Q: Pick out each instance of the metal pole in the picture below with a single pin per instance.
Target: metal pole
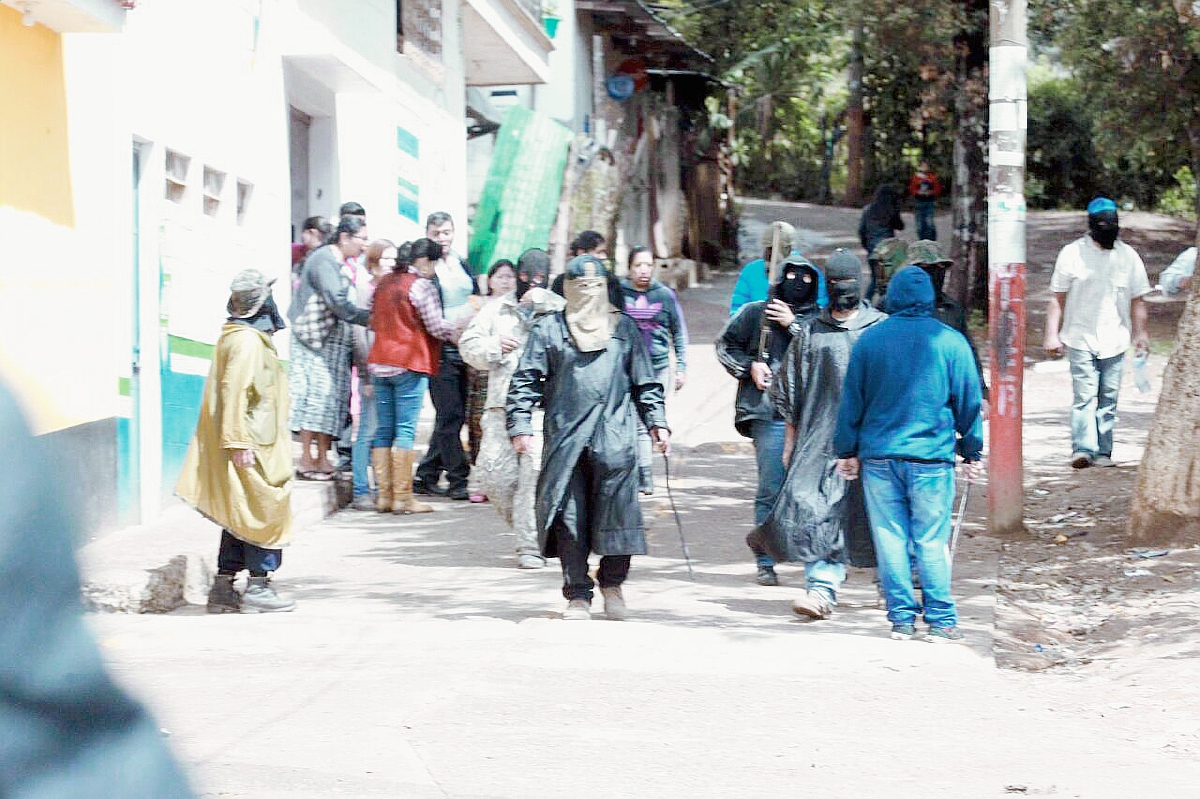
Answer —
(1006, 260)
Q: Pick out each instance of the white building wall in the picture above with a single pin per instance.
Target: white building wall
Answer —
(213, 80)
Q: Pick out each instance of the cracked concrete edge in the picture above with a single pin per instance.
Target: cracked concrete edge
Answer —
(158, 567)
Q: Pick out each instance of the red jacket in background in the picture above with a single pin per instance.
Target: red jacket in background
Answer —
(925, 186)
(400, 335)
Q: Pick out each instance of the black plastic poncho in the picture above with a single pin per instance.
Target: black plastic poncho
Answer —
(591, 399)
(818, 515)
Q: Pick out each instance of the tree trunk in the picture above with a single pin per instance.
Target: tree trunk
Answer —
(968, 282)
(1166, 503)
(855, 133)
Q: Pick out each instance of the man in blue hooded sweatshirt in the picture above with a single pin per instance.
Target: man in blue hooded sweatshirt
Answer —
(911, 400)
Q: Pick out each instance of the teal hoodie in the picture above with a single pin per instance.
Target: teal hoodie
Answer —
(912, 390)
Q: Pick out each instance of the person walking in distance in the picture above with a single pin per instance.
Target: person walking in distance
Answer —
(238, 468)
(924, 187)
(819, 519)
(655, 309)
(740, 349)
(909, 404)
(1094, 312)
(495, 341)
(590, 368)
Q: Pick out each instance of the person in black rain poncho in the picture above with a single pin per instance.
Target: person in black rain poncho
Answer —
(589, 366)
(818, 515)
(739, 349)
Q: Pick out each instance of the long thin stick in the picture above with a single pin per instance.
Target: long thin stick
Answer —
(962, 507)
(678, 524)
(764, 332)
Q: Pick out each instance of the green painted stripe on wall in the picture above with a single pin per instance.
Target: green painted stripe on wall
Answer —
(185, 346)
(124, 386)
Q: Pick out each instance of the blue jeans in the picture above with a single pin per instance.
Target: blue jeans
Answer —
(825, 577)
(397, 406)
(360, 454)
(911, 502)
(768, 451)
(236, 554)
(1096, 383)
(926, 229)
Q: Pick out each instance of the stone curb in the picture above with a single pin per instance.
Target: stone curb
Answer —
(113, 567)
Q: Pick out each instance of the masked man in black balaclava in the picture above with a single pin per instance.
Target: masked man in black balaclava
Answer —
(751, 348)
(588, 363)
(238, 470)
(819, 519)
(493, 342)
(1095, 310)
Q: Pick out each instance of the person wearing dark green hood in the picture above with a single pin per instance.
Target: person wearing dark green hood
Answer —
(910, 403)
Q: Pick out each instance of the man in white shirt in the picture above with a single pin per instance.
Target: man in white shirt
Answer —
(1095, 310)
(1178, 276)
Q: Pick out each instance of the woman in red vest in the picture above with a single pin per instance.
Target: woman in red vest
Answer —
(408, 322)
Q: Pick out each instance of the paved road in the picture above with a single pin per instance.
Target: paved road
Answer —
(421, 663)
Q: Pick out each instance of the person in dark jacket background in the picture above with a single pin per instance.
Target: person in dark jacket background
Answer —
(880, 220)
(589, 366)
(910, 402)
(737, 347)
(819, 519)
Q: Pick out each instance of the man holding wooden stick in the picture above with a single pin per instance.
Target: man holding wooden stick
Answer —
(751, 348)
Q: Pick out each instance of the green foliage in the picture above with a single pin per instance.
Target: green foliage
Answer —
(1063, 169)
(1180, 200)
(788, 61)
(1135, 66)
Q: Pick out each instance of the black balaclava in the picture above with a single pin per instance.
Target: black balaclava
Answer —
(1102, 222)
(843, 273)
(937, 276)
(267, 320)
(797, 284)
(533, 269)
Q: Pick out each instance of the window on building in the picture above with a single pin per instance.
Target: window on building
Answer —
(176, 173)
(244, 190)
(419, 24)
(214, 186)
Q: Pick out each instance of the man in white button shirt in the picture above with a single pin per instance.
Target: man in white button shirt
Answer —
(1095, 310)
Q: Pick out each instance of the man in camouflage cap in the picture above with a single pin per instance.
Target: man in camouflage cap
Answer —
(928, 255)
(888, 257)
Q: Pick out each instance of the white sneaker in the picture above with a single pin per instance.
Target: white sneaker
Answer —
(578, 610)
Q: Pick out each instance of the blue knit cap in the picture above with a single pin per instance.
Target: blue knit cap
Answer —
(1100, 205)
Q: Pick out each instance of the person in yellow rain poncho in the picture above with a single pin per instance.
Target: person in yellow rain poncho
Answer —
(238, 469)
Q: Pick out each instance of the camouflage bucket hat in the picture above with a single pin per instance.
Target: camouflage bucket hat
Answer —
(927, 253)
(891, 254)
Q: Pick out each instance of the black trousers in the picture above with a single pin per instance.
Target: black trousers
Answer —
(235, 555)
(448, 390)
(571, 537)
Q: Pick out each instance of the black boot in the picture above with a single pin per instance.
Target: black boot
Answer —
(260, 597)
(222, 598)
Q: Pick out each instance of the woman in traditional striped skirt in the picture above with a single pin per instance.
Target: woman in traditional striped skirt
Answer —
(319, 373)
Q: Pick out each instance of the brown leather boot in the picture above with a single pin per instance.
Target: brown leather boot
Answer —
(381, 462)
(402, 484)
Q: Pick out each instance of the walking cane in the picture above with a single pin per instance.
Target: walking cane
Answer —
(678, 523)
(962, 508)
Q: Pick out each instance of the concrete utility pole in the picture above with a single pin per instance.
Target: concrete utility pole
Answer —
(1006, 260)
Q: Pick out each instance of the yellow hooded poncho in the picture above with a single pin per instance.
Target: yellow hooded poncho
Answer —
(245, 407)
